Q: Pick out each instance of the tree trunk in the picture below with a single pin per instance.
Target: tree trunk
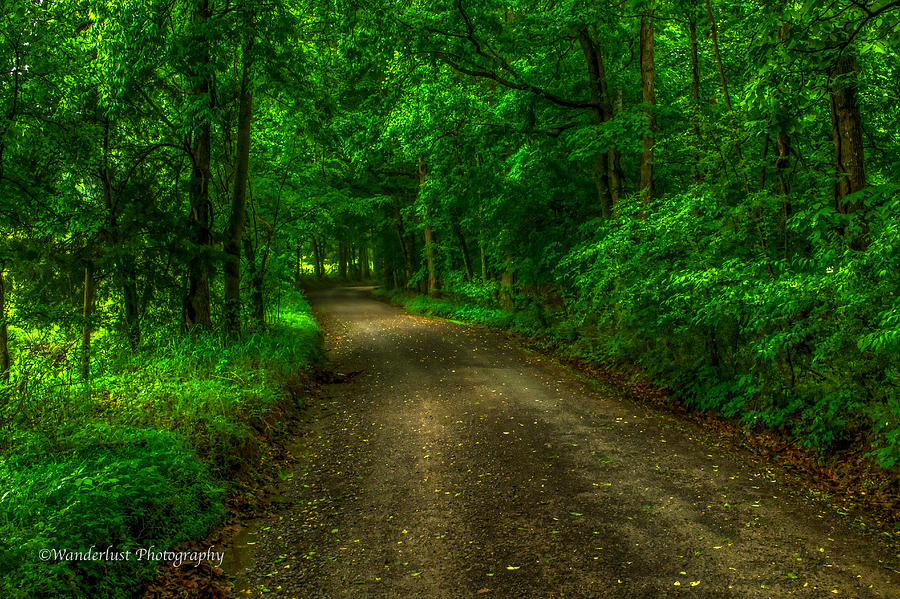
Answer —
(847, 132)
(714, 31)
(433, 286)
(648, 93)
(464, 249)
(87, 308)
(232, 248)
(130, 296)
(389, 275)
(198, 312)
(342, 260)
(607, 178)
(763, 171)
(5, 363)
(506, 284)
(318, 270)
(695, 97)
(364, 272)
(484, 273)
(783, 147)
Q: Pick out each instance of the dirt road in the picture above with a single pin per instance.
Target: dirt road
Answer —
(456, 465)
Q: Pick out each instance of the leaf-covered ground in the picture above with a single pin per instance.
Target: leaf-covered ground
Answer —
(446, 463)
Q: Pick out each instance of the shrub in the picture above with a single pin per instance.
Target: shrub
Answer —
(103, 486)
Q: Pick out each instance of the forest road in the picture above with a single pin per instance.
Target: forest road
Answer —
(454, 464)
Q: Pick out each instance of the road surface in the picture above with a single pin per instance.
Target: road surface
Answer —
(450, 463)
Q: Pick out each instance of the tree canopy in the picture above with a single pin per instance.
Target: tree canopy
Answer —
(707, 190)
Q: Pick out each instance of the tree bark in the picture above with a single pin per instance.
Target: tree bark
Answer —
(484, 273)
(365, 272)
(317, 264)
(763, 171)
(5, 363)
(342, 260)
(507, 279)
(847, 132)
(130, 296)
(433, 285)
(648, 93)
(198, 312)
(695, 97)
(784, 149)
(464, 249)
(714, 32)
(607, 175)
(232, 248)
(87, 308)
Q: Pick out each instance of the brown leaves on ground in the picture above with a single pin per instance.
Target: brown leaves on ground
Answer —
(189, 582)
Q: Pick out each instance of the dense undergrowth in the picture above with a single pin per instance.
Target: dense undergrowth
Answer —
(141, 458)
(796, 333)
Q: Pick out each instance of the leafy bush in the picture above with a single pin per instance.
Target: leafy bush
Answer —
(105, 486)
(796, 331)
(140, 457)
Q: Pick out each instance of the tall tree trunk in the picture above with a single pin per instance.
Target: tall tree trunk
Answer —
(484, 273)
(714, 32)
(387, 271)
(113, 236)
(507, 279)
(342, 260)
(648, 93)
(607, 178)
(389, 275)
(130, 296)
(764, 169)
(198, 311)
(317, 263)
(87, 310)
(232, 248)
(433, 285)
(364, 271)
(695, 97)
(783, 148)
(406, 246)
(847, 132)
(5, 363)
(464, 249)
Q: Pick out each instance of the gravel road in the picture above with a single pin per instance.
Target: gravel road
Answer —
(450, 463)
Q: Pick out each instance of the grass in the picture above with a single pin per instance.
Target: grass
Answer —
(144, 456)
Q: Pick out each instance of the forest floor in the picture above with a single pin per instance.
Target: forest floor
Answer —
(444, 461)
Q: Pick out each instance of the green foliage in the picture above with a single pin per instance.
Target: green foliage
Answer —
(800, 344)
(143, 457)
(452, 310)
(100, 486)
